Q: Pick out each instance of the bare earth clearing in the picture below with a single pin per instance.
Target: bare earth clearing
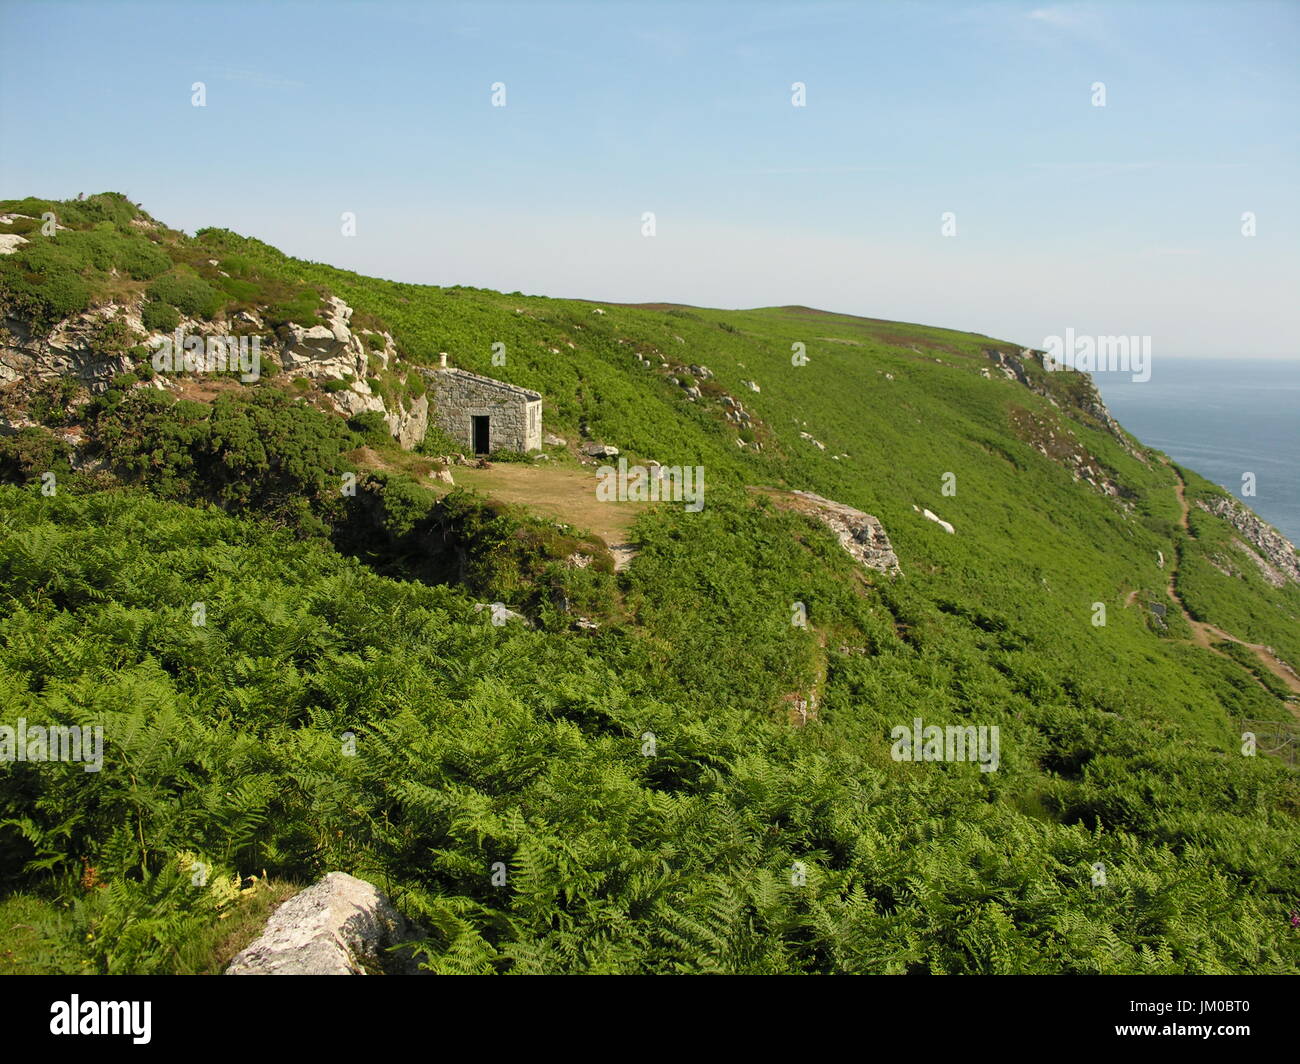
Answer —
(561, 492)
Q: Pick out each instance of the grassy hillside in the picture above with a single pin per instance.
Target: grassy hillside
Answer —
(656, 805)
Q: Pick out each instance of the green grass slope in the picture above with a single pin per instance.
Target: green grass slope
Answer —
(644, 786)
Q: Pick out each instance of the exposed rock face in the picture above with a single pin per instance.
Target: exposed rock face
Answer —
(71, 349)
(1278, 551)
(328, 349)
(333, 350)
(75, 349)
(1051, 436)
(11, 242)
(599, 450)
(1012, 368)
(1087, 400)
(735, 411)
(1270, 575)
(357, 399)
(339, 926)
(859, 533)
(409, 426)
(1094, 407)
(800, 707)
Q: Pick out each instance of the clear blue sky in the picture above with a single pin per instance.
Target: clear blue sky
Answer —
(1116, 220)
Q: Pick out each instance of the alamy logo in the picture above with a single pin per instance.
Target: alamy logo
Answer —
(1099, 354)
(655, 483)
(102, 1017)
(53, 742)
(953, 743)
(209, 354)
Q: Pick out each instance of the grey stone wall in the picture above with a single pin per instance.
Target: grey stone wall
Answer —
(515, 414)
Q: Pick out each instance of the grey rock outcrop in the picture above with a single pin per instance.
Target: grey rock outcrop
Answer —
(339, 926)
(77, 348)
(1278, 551)
(1012, 368)
(357, 398)
(408, 425)
(1086, 399)
(71, 349)
(862, 535)
(11, 242)
(328, 349)
(332, 350)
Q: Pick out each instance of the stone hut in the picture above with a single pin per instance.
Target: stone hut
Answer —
(483, 414)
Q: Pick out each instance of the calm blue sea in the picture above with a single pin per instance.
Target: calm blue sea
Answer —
(1222, 417)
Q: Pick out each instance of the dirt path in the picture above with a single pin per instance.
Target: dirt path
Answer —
(1180, 489)
(1205, 635)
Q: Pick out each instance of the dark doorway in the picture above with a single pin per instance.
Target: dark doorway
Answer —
(481, 440)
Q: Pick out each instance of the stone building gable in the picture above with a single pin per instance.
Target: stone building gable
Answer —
(463, 399)
(486, 384)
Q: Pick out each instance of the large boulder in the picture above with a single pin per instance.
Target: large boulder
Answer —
(861, 534)
(339, 926)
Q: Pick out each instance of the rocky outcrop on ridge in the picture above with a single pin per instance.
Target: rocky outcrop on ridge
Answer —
(93, 347)
(1275, 549)
(1084, 398)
